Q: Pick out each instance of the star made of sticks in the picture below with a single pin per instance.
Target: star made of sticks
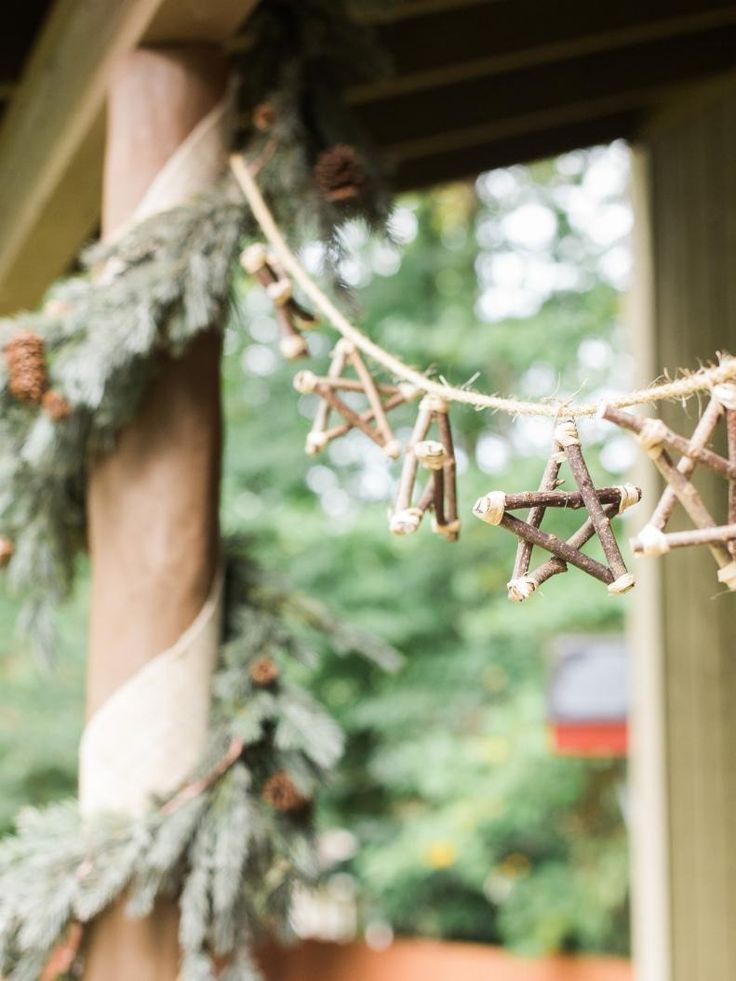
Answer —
(602, 505)
(437, 456)
(291, 316)
(659, 442)
(373, 421)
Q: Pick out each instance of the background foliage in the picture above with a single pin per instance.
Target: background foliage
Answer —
(455, 819)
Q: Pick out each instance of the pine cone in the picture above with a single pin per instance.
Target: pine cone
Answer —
(264, 672)
(281, 793)
(264, 116)
(339, 173)
(27, 379)
(55, 405)
(6, 551)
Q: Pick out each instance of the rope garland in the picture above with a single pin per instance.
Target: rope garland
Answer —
(705, 379)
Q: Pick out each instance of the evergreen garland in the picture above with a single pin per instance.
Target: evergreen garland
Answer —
(151, 293)
(225, 844)
(163, 284)
(234, 842)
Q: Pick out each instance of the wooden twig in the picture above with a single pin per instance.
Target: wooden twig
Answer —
(548, 482)
(336, 431)
(696, 450)
(562, 549)
(438, 499)
(408, 476)
(256, 261)
(696, 536)
(686, 466)
(654, 436)
(305, 319)
(381, 399)
(62, 957)
(731, 438)
(571, 500)
(292, 345)
(521, 587)
(306, 382)
(438, 456)
(197, 787)
(566, 435)
(450, 527)
(692, 502)
(389, 443)
(317, 439)
(426, 498)
(432, 455)
(354, 418)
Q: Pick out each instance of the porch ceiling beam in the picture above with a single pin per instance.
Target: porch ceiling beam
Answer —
(403, 124)
(441, 41)
(52, 137)
(441, 164)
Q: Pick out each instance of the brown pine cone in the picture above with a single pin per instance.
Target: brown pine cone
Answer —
(6, 551)
(264, 116)
(339, 173)
(264, 672)
(281, 793)
(27, 379)
(55, 405)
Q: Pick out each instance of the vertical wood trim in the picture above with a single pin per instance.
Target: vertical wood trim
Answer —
(692, 200)
(649, 815)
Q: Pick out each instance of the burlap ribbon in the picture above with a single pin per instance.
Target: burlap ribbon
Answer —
(146, 738)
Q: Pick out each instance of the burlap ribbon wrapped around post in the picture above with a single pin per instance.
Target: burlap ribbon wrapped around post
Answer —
(147, 737)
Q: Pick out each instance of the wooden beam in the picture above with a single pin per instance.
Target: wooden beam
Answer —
(50, 146)
(54, 109)
(398, 121)
(433, 43)
(198, 20)
(70, 217)
(19, 30)
(412, 173)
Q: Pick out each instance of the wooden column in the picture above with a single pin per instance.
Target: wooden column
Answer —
(153, 502)
(685, 727)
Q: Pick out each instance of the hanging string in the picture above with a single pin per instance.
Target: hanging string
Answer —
(679, 389)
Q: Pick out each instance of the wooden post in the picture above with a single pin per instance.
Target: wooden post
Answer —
(153, 502)
(684, 653)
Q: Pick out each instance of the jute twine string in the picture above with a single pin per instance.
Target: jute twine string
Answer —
(691, 383)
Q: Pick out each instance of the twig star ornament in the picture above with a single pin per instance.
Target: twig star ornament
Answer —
(659, 441)
(373, 421)
(438, 458)
(292, 317)
(602, 505)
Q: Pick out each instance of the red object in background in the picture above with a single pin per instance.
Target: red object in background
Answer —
(589, 738)
(588, 696)
(431, 960)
